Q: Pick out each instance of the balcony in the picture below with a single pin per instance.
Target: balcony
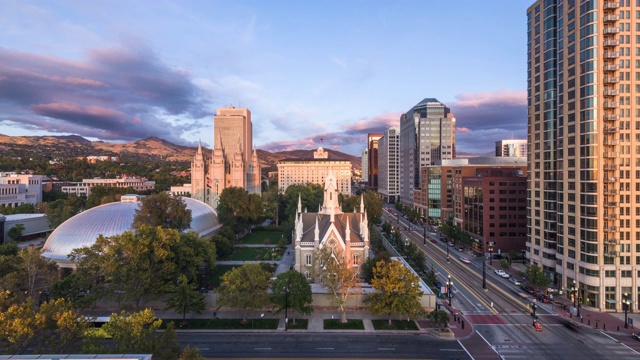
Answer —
(611, 242)
(610, 117)
(611, 216)
(611, 30)
(611, 54)
(611, 254)
(611, 79)
(611, 42)
(611, 204)
(611, 229)
(610, 142)
(610, 92)
(611, 5)
(610, 129)
(610, 154)
(611, 18)
(611, 104)
(611, 192)
(610, 179)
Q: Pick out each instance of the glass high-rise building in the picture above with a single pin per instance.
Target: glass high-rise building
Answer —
(583, 72)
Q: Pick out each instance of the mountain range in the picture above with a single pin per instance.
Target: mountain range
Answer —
(62, 147)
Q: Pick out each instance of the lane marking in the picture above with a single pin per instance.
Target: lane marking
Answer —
(324, 348)
(261, 348)
(465, 349)
(390, 349)
(491, 346)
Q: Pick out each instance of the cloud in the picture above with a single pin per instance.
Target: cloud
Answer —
(120, 92)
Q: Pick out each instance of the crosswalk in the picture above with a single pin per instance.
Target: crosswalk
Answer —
(520, 341)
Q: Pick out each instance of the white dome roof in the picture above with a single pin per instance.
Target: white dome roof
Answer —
(114, 219)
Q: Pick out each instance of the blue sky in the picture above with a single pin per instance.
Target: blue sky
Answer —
(125, 70)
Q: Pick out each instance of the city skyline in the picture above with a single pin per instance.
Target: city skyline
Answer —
(307, 70)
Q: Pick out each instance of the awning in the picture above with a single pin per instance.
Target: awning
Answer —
(612, 301)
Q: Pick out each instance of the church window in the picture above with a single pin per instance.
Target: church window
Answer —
(308, 259)
(356, 260)
(307, 275)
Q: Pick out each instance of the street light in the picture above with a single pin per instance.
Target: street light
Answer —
(576, 305)
(448, 252)
(625, 305)
(490, 255)
(533, 314)
(449, 287)
(484, 273)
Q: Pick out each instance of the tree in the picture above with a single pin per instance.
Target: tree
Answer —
(136, 267)
(245, 288)
(373, 206)
(138, 333)
(397, 291)
(504, 263)
(186, 298)
(191, 252)
(163, 210)
(366, 269)
(535, 276)
(290, 290)
(36, 272)
(237, 208)
(16, 232)
(60, 210)
(439, 318)
(431, 276)
(190, 353)
(337, 273)
(419, 260)
(223, 245)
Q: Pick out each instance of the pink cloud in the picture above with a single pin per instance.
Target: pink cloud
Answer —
(72, 108)
(462, 130)
(502, 97)
(386, 120)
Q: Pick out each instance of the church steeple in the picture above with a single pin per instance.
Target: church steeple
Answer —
(330, 202)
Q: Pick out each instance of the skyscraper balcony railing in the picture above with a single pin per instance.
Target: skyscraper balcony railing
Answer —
(611, 54)
(611, 254)
(611, 5)
(610, 216)
(611, 18)
(610, 92)
(611, 204)
(610, 229)
(610, 129)
(610, 117)
(611, 242)
(610, 179)
(610, 154)
(611, 42)
(611, 79)
(610, 142)
(611, 30)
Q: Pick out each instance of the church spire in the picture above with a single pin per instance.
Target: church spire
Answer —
(361, 202)
(299, 203)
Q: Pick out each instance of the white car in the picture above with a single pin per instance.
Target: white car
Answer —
(465, 260)
(502, 273)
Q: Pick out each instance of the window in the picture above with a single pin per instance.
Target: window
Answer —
(356, 260)
(308, 259)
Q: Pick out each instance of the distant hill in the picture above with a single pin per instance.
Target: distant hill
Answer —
(72, 146)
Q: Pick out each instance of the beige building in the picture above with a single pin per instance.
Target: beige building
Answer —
(233, 160)
(511, 148)
(330, 227)
(388, 165)
(584, 149)
(84, 188)
(315, 171)
(18, 189)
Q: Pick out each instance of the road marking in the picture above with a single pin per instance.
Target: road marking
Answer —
(261, 348)
(451, 349)
(324, 348)
(391, 349)
(488, 343)
(203, 348)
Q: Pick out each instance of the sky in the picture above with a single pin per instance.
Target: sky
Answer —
(312, 73)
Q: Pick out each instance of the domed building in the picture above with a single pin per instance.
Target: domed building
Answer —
(114, 219)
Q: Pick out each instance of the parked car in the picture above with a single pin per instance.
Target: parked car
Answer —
(434, 240)
(502, 273)
(636, 336)
(461, 249)
(465, 260)
(542, 297)
(515, 281)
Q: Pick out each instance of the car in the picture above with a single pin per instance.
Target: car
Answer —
(461, 249)
(636, 336)
(515, 281)
(502, 273)
(434, 241)
(465, 260)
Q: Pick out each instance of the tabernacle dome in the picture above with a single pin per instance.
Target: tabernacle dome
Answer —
(114, 219)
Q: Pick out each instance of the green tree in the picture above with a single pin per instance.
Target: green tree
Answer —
(16, 232)
(138, 333)
(504, 263)
(373, 206)
(338, 275)
(535, 276)
(36, 273)
(223, 245)
(431, 276)
(290, 290)
(192, 252)
(419, 260)
(190, 353)
(60, 210)
(163, 210)
(274, 201)
(137, 267)
(244, 288)
(439, 318)
(366, 269)
(237, 208)
(186, 298)
(397, 291)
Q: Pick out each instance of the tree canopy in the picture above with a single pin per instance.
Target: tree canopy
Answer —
(186, 298)
(237, 208)
(397, 291)
(244, 288)
(163, 210)
(291, 290)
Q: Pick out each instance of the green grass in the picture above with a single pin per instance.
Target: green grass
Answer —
(254, 254)
(395, 325)
(216, 274)
(262, 238)
(301, 324)
(224, 324)
(335, 324)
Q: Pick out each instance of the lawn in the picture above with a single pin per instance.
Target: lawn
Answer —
(262, 238)
(254, 254)
(335, 324)
(224, 324)
(216, 274)
(395, 325)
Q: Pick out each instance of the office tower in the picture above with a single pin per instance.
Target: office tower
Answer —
(233, 160)
(372, 164)
(511, 148)
(427, 134)
(364, 178)
(583, 136)
(388, 165)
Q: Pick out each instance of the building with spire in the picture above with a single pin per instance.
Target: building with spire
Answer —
(330, 227)
(233, 161)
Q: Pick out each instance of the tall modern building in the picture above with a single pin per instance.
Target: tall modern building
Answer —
(511, 148)
(427, 134)
(365, 166)
(388, 165)
(584, 144)
(372, 164)
(233, 161)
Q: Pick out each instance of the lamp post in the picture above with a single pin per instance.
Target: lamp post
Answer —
(533, 314)
(424, 235)
(484, 273)
(286, 306)
(625, 305)
(574, 291)
(448, 252)
(449, 287)
(524, 256)
(490, 255)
